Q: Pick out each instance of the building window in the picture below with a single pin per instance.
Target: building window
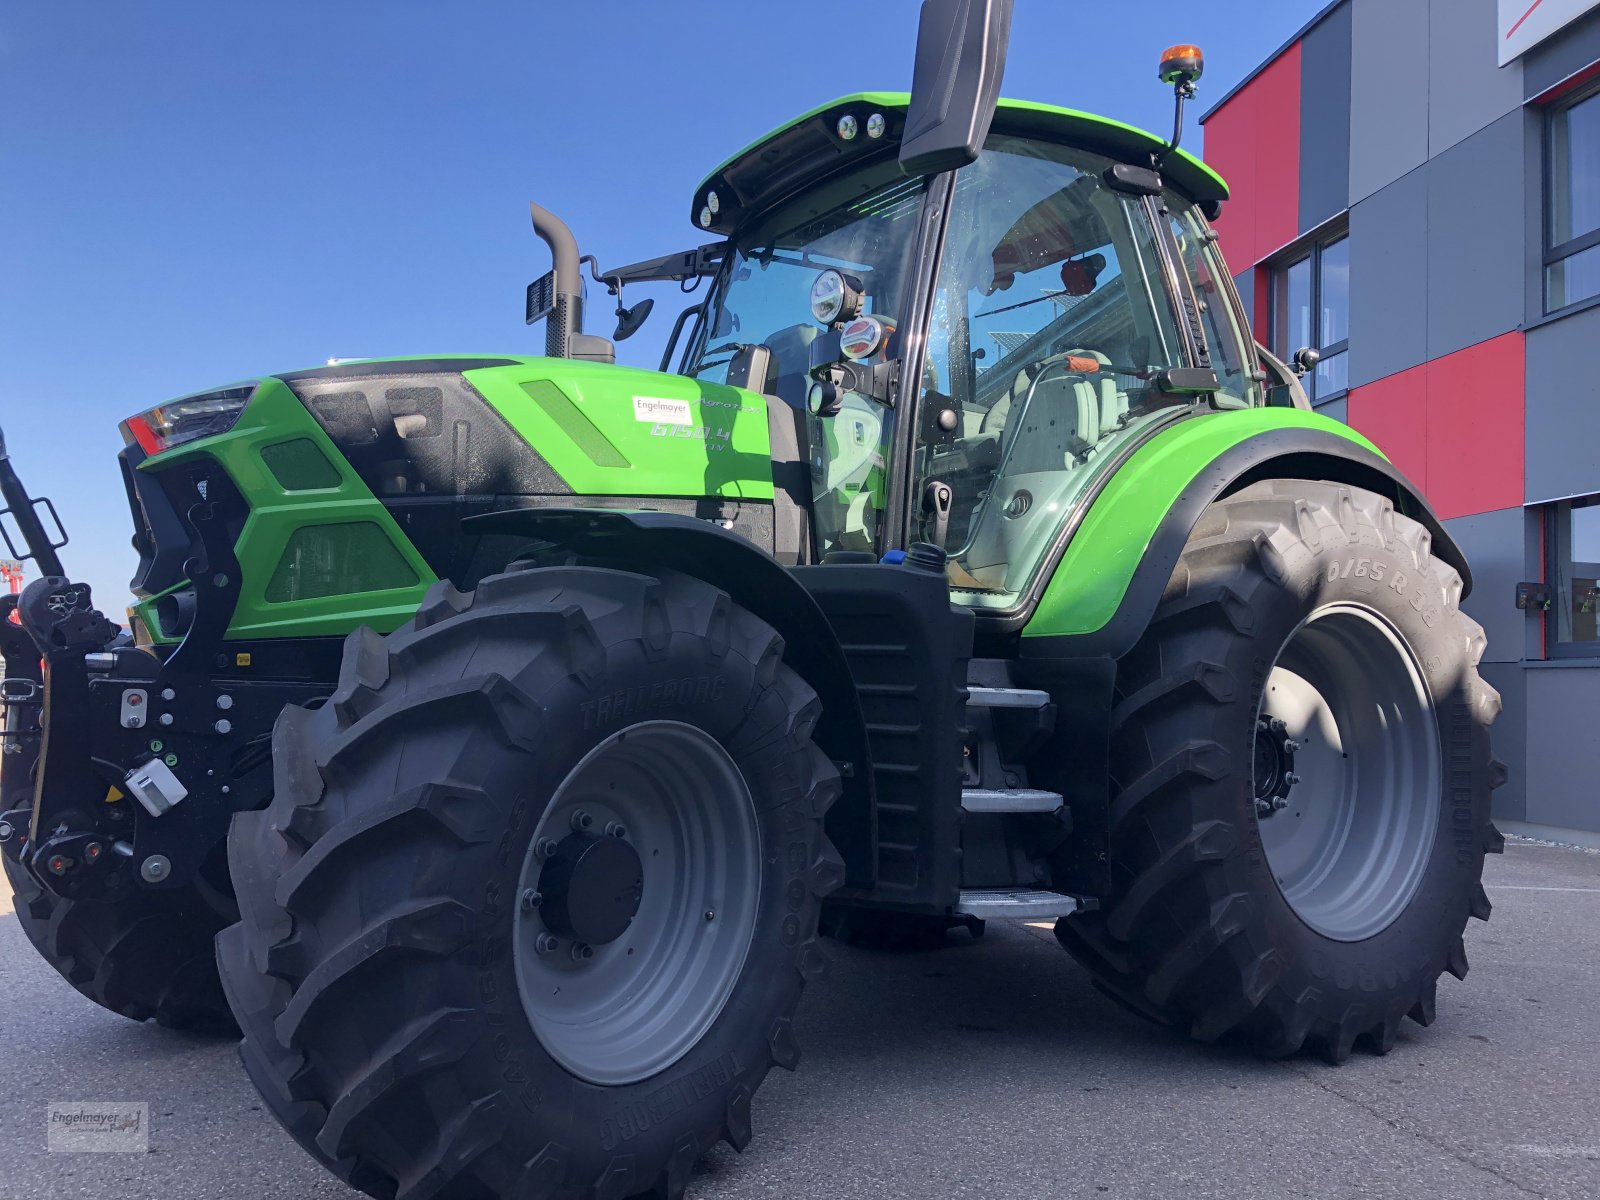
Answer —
(1311, 308)
(1573, 547)
(1572, 219)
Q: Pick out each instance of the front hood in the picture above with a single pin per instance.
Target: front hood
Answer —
(617, 431)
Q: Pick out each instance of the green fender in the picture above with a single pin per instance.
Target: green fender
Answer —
(1110, 577)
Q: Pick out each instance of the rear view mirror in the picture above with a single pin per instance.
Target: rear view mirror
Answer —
(629, 319)
(955, 84)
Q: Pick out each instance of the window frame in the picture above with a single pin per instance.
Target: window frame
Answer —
(1553, 254)
(1311, 249)
(1554, 647)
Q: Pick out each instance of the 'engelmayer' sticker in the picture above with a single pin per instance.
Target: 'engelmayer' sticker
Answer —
(664, 412)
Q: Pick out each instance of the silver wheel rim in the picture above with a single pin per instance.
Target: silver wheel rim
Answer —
(1349, 841)
(636, 1004)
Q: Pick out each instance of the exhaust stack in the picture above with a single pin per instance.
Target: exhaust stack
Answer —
(558, 296)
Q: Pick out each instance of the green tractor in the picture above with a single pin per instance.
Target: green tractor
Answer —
(515, 726)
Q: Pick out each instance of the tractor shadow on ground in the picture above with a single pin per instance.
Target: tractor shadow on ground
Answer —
(1015, 989)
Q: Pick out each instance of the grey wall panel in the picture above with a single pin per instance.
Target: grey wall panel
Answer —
(1563, 752)
(1562, 56)
(1245, 281)
(1562, 423)
(1389, 280)
(1475, 245)
(1337, 409)
(1493, 544)
(1533, 200)
(1325, 120)
(1467, 90)
(1510, 737)
(1388, 92)
(1533, 568)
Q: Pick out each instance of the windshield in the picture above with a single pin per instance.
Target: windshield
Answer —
(1051, 324)
(866, 226)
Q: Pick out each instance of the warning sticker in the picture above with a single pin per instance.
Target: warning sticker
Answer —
(661, 411)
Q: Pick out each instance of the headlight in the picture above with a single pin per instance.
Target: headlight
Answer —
(835, 297)
(862, 338)
(173, 424)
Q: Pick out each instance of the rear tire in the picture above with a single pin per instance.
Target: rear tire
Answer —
(1248, 902)
(146, 956)
(399, 1015)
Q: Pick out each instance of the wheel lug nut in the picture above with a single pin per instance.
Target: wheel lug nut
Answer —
(531, 900)
(1291, 779)
(616, 829)
(581, 821)
(582, 952)
(1277, 725)
(1279, 803)
(546, 944)
(1290, 745)
(545, 847)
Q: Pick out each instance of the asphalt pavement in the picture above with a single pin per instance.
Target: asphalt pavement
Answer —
(988, 1069)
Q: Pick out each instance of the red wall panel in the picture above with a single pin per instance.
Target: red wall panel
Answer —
(1475, 427)
(1230, 148)
(1254, 141)
(1393, 412)
(1454, 425)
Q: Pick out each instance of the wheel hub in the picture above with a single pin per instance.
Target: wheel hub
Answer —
(620, 969)
(591, 888)
(1274, 765)
(1347, 698)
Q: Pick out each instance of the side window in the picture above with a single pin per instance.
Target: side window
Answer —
(1572, 221)
(1230, 347)
(1311, 308)
(1574, 553)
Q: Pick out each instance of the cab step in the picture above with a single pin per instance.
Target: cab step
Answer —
(1007, 904)
(1010, 800)
(1004, 697)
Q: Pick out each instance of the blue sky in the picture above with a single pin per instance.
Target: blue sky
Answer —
(194, 192)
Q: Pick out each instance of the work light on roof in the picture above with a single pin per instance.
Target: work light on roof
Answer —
(713, 202)
(847, 127)
(705, 217)
(876, 126)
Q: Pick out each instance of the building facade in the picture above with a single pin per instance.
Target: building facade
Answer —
(1417, 196)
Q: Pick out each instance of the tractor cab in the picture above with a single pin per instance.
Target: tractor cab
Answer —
(968, 350)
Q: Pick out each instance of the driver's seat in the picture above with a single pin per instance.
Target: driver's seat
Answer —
(1055, 429)
(1064, 421)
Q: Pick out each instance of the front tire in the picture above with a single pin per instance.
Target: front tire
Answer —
(537, 892)
(1301, 780)
(146, 956)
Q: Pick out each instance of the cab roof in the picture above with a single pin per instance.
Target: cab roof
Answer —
(809, 144)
